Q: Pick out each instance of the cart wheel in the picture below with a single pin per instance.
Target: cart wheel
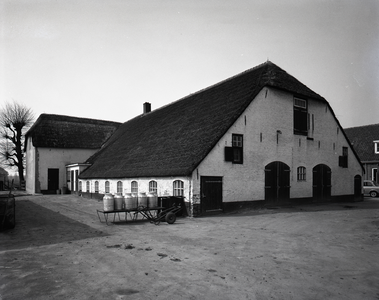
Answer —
(170, 218)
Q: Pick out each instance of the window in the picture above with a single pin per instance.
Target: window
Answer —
(134, 187)
(301, 174)
(178, 188)
(374, 174)
(300, 116)
(87, 186)
(376, 147)
(153, 186)
(235, 153)
(96, 186)
(107, 187)
(119, 187)
(344, 158)
(80, 185)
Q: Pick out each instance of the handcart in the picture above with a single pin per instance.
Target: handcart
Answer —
(167, 214)
(7, 210)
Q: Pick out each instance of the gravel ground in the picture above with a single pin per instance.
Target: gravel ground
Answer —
(60, 250)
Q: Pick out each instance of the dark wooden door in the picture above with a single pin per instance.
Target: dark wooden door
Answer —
(52, 179)
(357, 186)
(322, 183)
(277, 182)
(211, 193)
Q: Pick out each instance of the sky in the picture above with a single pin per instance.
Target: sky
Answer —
(102, 59)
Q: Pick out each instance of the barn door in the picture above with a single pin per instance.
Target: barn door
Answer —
(52, 179)
(277, 182)
(322, 183)
(211, 193)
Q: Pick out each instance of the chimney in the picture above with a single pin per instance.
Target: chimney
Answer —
(146, 107)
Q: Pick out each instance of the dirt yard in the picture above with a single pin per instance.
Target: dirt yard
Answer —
(60, 250)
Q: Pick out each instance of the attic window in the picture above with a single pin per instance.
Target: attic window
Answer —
(376, 147)
(343, 160)
(300, 116)
(235, 153)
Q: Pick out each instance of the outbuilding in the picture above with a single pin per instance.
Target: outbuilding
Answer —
(365, 140)
(55, 141)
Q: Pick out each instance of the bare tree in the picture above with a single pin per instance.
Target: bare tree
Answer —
(15, 119)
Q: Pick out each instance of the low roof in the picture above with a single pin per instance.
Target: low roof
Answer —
(57, 131)
(173, 140)
(3, 171)
(362, 138)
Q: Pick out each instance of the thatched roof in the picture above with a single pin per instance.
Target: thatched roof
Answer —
(362, 138)
(174, 139)
(57, 131)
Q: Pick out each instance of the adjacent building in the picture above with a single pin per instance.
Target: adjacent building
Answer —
(365, 140)
(258, 137)
(55, 141)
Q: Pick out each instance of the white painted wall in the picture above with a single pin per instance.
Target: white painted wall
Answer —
(272, 110)
(39, 160)
(30, 167)
(164, 185)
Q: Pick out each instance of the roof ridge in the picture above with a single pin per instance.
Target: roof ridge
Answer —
(76, 118)
(360, 126)
(209, 87)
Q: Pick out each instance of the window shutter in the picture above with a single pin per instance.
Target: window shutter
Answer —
(228, 153)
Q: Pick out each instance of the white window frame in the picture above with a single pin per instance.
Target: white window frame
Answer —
(96, 187)
(119, 187)
(301, 173)
(178, 188)
(134, 187)
(87, 186)
(376, 147)
(107, 187)
(153, 186)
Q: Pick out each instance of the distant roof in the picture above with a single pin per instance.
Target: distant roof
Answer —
(3, 172)
(57, 131)
(362, 138)
(174, 139)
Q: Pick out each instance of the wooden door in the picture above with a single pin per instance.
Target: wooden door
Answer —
(357, 186)
(211, 193)
(322, 183)
(52, 179)
(277, 182)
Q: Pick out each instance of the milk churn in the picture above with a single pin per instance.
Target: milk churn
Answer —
(108, 202)
(118, 201)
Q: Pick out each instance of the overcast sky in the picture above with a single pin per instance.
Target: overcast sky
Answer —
(103, 59)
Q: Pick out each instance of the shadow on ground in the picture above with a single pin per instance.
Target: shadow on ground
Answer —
(38, 226)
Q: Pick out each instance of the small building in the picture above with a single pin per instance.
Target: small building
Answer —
(55, 141)
(260, 137)
(365, 140)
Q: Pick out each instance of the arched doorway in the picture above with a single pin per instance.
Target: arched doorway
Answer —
(277, 182)
(358, 187)
(322, 183)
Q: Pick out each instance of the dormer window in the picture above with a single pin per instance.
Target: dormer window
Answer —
(376, 147)
(300, 116)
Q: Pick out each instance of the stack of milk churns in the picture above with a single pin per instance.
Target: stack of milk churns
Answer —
(131, 201)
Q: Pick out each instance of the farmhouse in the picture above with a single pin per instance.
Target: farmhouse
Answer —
(55, 141)
(258, 137)
(365, 140)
